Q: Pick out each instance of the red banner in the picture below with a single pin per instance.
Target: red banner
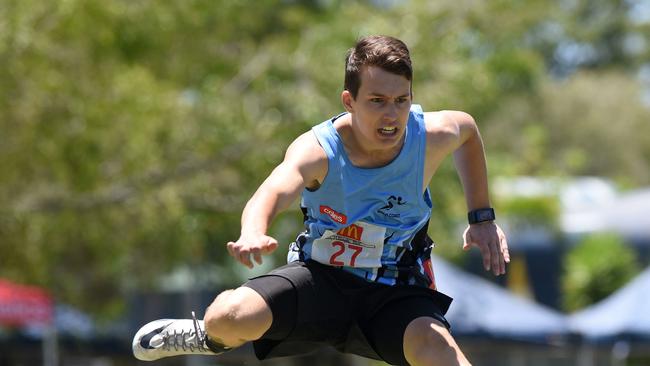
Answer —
(21, 305)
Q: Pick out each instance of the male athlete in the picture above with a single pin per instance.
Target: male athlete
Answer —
(359, 277)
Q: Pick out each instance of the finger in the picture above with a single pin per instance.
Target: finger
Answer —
(502, 262)
(231, 250)
(245, 259)
(485, 253)
(467, 240)
(270, 246)
(257, 256)
(504, 248)
(494, 256)
(505, 253)
(467, 245)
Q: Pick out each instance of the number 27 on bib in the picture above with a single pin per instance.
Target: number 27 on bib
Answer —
(358, 245)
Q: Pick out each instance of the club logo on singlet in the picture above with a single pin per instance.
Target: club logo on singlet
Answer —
(391, 202)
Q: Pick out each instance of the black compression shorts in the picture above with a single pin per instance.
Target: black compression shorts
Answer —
(315, 305)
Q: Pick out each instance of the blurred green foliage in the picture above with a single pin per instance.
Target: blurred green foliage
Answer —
(537, 211)
(597, 266)
(132, 133)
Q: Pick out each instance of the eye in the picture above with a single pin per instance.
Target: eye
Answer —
(401, 100)
(376, 100)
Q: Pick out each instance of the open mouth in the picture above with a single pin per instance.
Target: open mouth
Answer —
(387, 131)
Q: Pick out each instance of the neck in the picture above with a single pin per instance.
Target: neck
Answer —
(360, 152)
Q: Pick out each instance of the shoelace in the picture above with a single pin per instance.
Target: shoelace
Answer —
(182, 339)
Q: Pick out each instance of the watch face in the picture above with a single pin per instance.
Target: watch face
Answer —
(485, 215)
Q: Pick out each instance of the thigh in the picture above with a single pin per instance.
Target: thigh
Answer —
(306, 303)
(385, 330)
(279, 297)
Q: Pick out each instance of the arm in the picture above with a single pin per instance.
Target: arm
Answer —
(456, 132)
(469, 159)
(304, 165)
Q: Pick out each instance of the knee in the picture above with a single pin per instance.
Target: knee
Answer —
(428, 342)
(223, 313)
(236, 316)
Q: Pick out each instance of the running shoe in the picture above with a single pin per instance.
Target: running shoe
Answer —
(174, 337)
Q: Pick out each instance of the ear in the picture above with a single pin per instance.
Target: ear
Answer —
(347, 100)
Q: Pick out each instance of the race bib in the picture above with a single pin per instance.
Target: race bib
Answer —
(358, 245)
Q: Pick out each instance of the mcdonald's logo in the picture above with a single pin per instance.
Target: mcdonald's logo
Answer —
(353, 232)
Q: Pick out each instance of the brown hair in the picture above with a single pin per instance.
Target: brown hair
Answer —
(385, 52)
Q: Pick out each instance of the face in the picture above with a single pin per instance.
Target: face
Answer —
(381, 109)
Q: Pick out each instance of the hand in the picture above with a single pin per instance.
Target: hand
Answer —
(491, 241)
(255, 244)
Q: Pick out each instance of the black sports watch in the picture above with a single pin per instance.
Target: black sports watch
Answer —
(481, 215)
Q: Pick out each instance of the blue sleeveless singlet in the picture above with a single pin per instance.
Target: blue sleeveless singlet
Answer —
(364, 220)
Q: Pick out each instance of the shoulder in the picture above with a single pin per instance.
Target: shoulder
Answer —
(307, 156)
(446, 121)
(306, 147)
(448, 128)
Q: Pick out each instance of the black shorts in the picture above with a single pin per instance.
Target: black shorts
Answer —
(315, 305)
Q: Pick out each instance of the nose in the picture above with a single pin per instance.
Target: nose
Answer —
(391, 111)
